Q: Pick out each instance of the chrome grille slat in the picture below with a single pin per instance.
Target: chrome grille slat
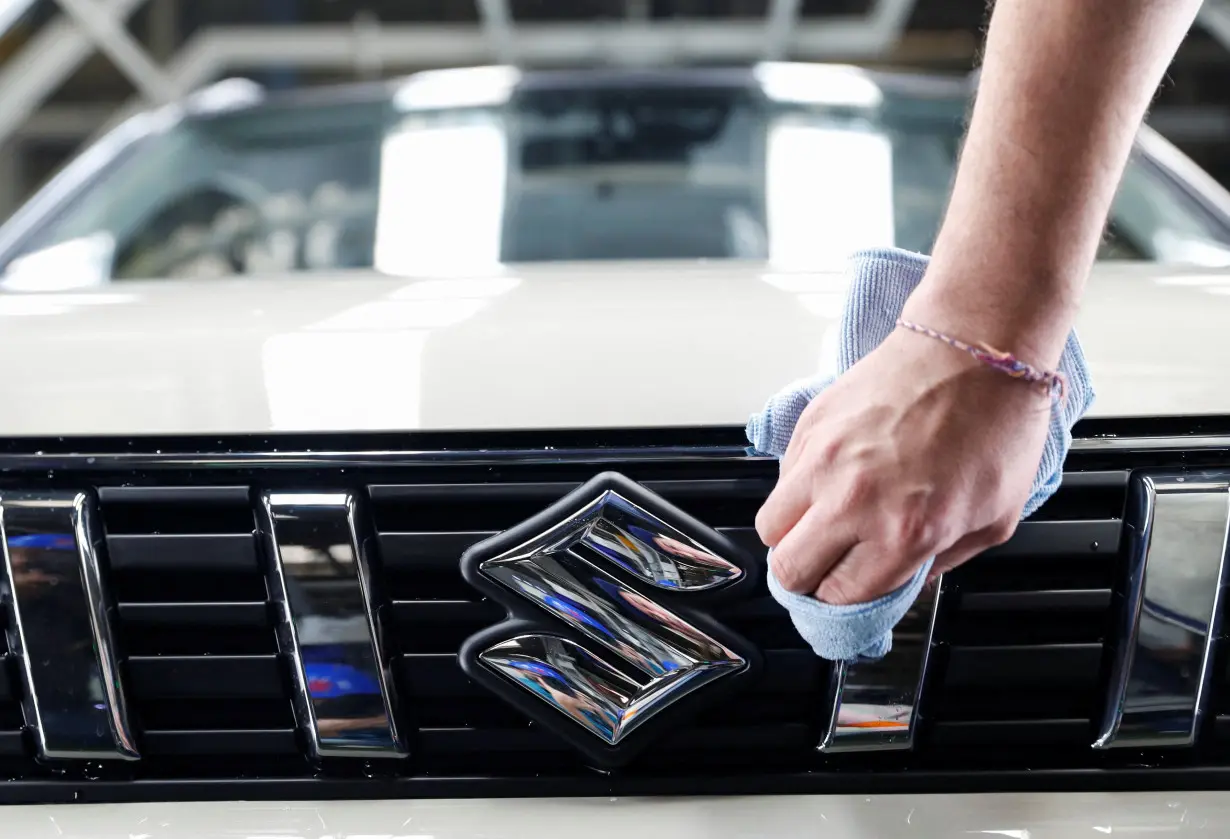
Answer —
(74, 698)
(319, 576)
(1171, 612)
(873, 706)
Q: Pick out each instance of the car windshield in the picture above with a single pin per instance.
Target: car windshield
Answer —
(562, 173)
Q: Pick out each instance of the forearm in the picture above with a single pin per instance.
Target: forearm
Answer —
(1064, 87)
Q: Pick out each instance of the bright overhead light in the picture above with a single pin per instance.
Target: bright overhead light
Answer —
(828, 192)
(442, 199)
(226, 95)
(467, 87)
(79, 263)
(818, 84)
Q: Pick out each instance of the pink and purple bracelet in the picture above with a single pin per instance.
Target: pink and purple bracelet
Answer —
(1051, 380)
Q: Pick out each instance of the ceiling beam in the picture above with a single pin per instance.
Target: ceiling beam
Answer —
(783, 16)
(52, 55)
(497, 26)
(105, 26)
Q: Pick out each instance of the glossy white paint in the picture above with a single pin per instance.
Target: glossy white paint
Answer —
(550, 347)
(1025, 816)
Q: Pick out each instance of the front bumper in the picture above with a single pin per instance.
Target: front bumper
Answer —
(1017, 816)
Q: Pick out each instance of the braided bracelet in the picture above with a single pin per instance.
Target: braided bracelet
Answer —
(1052, 381)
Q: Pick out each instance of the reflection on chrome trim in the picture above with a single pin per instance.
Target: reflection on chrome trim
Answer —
(562, 573)
(1149, 444)
(61, 626)
(874, 705)
(588, 690)
(1170, 615)
(649, 549)
(591, 601)
(321, 579)
(569, 678)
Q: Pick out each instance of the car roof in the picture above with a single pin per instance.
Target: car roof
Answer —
(894, 83)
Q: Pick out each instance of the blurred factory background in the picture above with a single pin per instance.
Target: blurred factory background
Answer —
(69, 69)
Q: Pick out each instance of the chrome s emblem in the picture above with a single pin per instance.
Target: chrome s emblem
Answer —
(607, 638)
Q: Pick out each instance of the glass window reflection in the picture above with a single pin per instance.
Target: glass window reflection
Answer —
(546, 172)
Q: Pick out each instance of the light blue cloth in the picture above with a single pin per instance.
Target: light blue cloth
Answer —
(879, 283)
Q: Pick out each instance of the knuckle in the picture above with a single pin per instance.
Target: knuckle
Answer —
(1001, 531)
(787, 572)
(912, 532)
(769, 524)
(862, 491)
(828, 451)
(764, 527)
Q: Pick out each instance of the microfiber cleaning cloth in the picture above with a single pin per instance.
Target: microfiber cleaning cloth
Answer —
(879, 282)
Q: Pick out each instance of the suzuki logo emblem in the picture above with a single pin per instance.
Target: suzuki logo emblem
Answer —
(607, 631)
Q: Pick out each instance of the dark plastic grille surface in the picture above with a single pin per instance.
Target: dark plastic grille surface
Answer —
(10, 699)
(195, 627)
(1018, 676)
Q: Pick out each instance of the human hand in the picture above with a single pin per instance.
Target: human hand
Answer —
(916, 451)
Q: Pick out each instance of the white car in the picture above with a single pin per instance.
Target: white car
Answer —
(372, 464)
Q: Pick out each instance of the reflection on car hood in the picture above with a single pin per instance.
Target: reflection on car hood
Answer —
(922, 816)
(560, 346)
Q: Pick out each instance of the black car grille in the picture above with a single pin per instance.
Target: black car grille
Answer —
(1023, 642)
(195, 627)
(10, 708)
(1023, 629)
(1219, 738)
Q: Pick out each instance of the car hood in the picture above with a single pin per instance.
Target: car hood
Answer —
(560, 346)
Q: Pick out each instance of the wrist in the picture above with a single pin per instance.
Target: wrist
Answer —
(1050, 381)
(1033, 324)
(931, 362)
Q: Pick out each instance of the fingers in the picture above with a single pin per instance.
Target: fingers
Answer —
(865, 573)
(868, 570)
(784, 507)
(802, 440)
(813, 546)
